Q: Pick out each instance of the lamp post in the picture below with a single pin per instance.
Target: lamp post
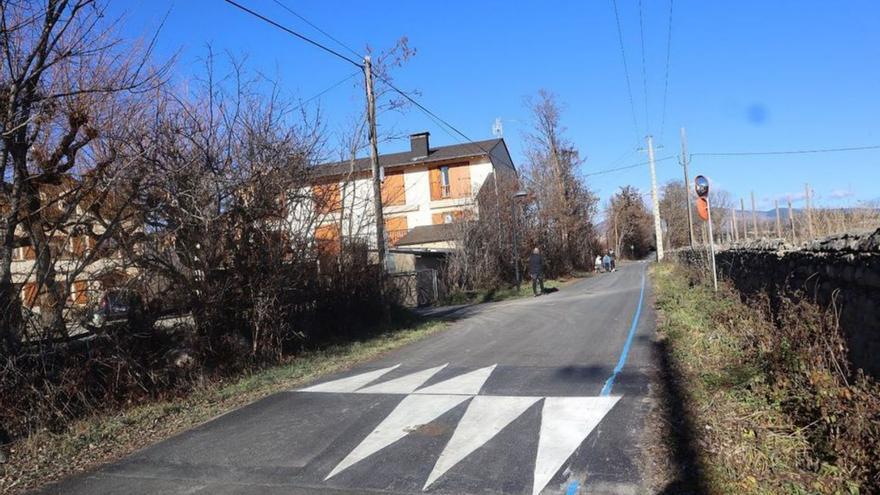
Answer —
(515, 217)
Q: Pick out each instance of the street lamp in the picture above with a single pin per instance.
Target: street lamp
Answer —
(516, 195)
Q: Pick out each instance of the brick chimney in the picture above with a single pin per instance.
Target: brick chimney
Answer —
(418, 144)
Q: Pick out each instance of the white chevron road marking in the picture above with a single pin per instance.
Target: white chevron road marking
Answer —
(484, 418)
(412, 412)
(565, 423)
(351, 383)
(403, 385)
(466, 384)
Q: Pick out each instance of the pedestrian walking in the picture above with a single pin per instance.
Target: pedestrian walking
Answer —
(606, 262)
(536, 271)
(613, 263)
(598, 264)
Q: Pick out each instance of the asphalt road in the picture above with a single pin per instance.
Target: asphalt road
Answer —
(536, 395)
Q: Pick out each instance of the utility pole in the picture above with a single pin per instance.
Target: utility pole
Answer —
(754, 218)
(616, 237)
(655, 200)
(687, 185)
(742, 211)
(809, 210)
(711, 244)
(778, 220)
(733, 222)
(791, 222)
(374, 161)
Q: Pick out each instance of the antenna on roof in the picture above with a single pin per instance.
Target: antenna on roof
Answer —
(497, 128)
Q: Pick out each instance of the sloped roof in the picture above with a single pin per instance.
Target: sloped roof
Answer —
(430, 233)
(439, 153)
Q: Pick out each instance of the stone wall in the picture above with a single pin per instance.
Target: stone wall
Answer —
(843, 268)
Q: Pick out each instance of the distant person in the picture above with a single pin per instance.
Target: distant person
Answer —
(613, 264)
(606, 262)
(536, 271)
(598, 264)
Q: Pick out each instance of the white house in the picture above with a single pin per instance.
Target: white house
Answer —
(424, 191)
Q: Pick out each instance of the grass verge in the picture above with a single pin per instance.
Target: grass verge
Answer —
(46, 456)
(506, 293)
(725, 413)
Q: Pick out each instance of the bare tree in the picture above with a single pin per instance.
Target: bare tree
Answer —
(222, 190)
(64, 84)
(564, 207)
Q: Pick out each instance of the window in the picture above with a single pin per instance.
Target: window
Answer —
(451, 216)
(393, 188)
(450, 181)
(395, 229)
(444, 181)
(327, 239)
(327, 197)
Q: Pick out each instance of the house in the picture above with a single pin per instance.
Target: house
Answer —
(425, 190)
(72, 221)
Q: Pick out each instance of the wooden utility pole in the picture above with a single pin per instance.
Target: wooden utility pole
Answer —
(791, 222)
(687, 185)
(711, 244)
(754, 218)
(778, 220)
(731, 231)
(809, 210)
(733, 223)
(742, 212)
(374, 161)
(658, 232)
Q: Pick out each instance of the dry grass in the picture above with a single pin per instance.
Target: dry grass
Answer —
(740, 397)
(46, 456)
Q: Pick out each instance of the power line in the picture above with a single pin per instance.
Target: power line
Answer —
(627, 167)
(429, 112)
(788, 152)
(629, 90)
(290, 31)
(325, 33)
(644, 68)
(331, 88)
(666, 77)
(622, 157)
(381, 78)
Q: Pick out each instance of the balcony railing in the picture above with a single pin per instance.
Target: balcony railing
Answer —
(458, 188)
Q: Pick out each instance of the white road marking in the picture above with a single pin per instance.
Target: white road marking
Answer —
(349, 384)
(484, 418)
(403, 385)
(412, 412)
(565, 423)
(466, 384)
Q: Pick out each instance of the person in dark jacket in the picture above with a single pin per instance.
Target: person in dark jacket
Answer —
(536, 271)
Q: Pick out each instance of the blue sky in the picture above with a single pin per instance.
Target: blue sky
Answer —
(744, 76)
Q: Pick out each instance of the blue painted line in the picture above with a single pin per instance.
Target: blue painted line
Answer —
(572, 488)
(606, 390)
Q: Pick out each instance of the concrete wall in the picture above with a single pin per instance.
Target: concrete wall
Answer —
(844, 267)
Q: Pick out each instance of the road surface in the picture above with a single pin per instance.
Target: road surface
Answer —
(536, 395)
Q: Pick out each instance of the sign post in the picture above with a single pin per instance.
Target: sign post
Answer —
(701, 185)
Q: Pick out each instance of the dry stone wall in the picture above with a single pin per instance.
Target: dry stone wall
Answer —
(843, 269)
